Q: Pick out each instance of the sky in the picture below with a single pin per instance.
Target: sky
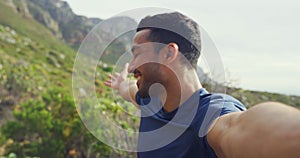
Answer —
(257, 40)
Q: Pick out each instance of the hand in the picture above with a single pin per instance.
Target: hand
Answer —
(116, 79)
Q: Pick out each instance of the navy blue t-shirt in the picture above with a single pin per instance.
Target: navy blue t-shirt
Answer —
(182, 132)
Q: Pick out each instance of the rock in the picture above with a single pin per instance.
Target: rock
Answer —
(62, 56)
(11, 40)
(61, 20)
(23, 8)
(45, 18)
(82, 92)
(18, 50)
(8, 102)
(12, 155)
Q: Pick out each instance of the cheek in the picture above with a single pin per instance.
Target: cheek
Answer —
(152, 71)
(137, 62)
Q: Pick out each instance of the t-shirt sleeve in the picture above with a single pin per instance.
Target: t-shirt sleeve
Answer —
(231, 105)
(213, 108)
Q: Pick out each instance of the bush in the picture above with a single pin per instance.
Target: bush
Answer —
(49, 127)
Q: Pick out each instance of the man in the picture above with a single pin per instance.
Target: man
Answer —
(187, 120)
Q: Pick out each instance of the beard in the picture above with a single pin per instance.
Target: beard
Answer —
(143, 92)
(150, 76)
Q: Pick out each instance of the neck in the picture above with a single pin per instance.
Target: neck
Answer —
(180, 88)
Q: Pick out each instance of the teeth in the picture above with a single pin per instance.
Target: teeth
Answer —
(137, 75)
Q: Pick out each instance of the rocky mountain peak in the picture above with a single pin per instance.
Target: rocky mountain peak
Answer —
(57, 16)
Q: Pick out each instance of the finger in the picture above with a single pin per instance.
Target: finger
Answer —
(108, 81)
(125, 70)
(111, 76)
(116, 75)
(107, 84)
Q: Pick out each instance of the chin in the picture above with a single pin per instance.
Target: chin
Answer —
(143, 93)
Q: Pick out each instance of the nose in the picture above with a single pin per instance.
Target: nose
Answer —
(131, 67)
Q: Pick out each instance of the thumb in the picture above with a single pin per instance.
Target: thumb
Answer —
(125, 70)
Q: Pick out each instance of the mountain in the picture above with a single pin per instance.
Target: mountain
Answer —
(57, 16)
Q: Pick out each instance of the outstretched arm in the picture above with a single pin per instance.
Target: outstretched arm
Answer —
(268, 130)
(119, 81)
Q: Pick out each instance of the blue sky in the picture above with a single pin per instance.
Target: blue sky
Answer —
(257, 40)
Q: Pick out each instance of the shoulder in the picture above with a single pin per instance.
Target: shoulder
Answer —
(220, 102)
(229, 103)
(213, 106)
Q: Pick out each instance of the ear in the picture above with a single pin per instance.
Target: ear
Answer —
(170, 53)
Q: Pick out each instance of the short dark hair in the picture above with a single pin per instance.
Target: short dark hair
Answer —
(174, 27)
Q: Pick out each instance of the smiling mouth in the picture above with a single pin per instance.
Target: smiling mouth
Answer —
(137, 74)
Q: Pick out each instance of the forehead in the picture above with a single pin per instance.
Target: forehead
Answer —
(141, 36)
(141, 41)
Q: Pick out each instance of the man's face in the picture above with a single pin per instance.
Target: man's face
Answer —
(144, 64)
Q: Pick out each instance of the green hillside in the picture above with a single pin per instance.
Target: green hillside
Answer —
(31, 57)
(28, 27)
(37, 112)
(250, 98)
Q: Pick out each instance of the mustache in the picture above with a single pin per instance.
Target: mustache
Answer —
(136, 71)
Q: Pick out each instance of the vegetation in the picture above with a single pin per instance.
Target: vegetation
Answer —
(250, 98)
(35, 85)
